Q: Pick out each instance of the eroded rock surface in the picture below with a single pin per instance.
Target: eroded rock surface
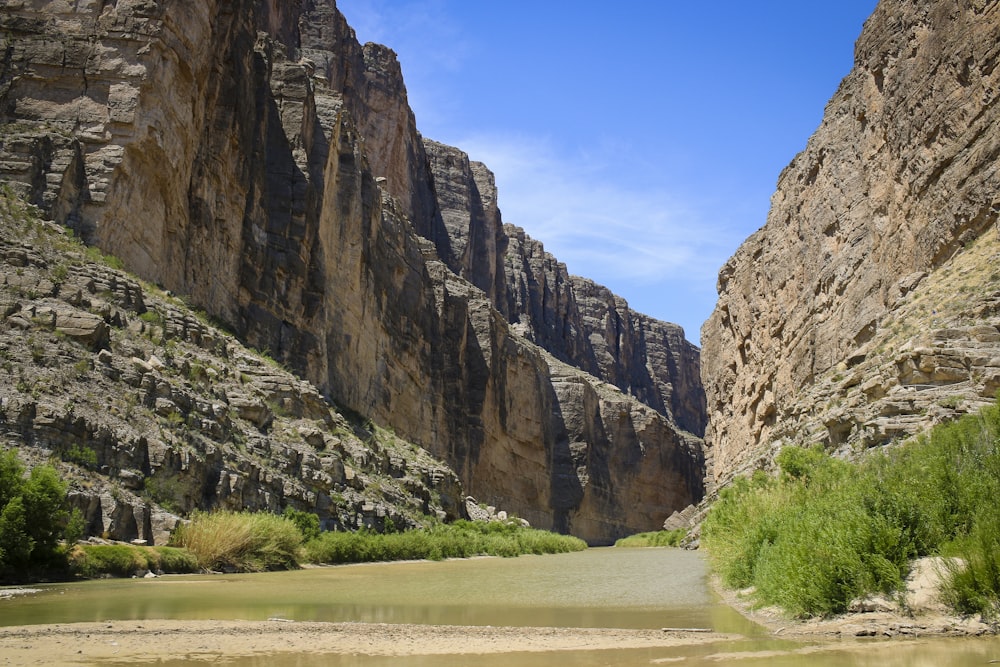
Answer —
(171, 414)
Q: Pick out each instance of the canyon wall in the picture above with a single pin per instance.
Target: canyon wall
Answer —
(252, 156)
(865, 309)
(578, 321)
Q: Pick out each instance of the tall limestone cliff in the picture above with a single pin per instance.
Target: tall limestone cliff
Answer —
(575, 319)
(866, 308)
(252, 156)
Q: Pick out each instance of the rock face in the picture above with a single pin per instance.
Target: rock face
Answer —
(254, 157)
(864, 310)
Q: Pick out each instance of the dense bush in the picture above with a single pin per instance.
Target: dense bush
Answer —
(461, 539)
(241, 541)
(825, 531)
(306, 522)
(33, 517)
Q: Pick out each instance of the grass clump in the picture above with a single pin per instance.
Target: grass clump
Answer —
(658, 538)
(254, 542)
(461, 539)
(241, 541)
(824, 531)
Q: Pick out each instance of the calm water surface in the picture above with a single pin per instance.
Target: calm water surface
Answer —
(623, 588)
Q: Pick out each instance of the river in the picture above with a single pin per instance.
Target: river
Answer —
(596, 588)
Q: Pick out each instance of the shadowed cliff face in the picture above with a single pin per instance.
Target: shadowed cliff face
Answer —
(578, 321)
(819, 335)
(254, 157)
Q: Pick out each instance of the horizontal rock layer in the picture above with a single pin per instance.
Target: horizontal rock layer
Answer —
(150, 411)
(575, 319)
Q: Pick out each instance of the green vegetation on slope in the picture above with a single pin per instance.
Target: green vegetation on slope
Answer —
(826, 531)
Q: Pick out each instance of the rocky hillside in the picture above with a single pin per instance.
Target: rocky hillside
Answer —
(151, 411)
(866, 308)
(253, 157)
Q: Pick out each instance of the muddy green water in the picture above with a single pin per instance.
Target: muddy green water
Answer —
(618, 588)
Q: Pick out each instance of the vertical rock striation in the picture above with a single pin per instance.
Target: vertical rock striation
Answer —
(899, 179)
(254, 157)
(578, 321)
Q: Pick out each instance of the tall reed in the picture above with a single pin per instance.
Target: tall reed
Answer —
(241, 541)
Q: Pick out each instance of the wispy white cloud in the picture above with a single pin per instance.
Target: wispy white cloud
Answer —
(593, 206)
(599, 225)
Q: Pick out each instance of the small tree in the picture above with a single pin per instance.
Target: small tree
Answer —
(32, 516)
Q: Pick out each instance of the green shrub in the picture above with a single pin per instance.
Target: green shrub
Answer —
(973, 579)
(825, 531)
(241, 541)
(462, 539)
(32, 518)
(125, 560)
(81, 455)
(120, 560)
(307, 522)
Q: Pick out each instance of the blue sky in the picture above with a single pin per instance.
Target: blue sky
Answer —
(640, 141)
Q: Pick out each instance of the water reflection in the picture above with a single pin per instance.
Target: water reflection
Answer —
(614, 588)
(624, 588)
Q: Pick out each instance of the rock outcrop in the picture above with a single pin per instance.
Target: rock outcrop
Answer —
(255, 158)
(864, 310)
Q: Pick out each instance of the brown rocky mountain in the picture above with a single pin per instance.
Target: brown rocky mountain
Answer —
(865, 309)
(253, 157)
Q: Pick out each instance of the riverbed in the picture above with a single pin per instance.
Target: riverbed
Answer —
(598, 607)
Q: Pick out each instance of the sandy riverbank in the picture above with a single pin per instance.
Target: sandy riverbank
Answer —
(113, 641)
